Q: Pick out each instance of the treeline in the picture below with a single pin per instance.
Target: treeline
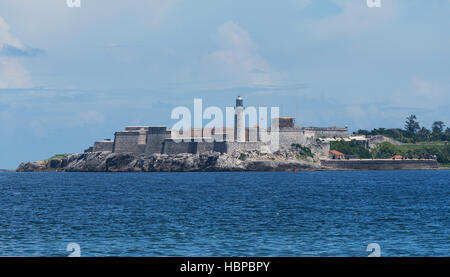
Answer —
(352, 148)
(413, 132)
(387, 150)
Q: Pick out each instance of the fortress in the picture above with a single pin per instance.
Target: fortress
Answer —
(280, 147)
(147, 140)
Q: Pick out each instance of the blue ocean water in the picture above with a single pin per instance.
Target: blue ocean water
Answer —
(225, 214)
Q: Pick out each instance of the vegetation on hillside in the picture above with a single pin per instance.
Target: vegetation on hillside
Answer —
(352, 148)
(242, 157)
(413, 132)
(303, 152)
(57, 156)
(387, 150)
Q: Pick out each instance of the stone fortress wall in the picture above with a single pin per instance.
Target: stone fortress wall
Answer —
(381, 164)
(155, 139)
(373, 141)
(160, 140)
(104, 145)
(149, 140)
(132, 140)
(328, 132)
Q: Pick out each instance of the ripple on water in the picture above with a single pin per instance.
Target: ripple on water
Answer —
(225, 214)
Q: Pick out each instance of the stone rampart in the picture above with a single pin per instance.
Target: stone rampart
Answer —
(289, 136)
(170, 147)
(102, 146)
(328, 132)
(380, 164)
(236, 147)
(373, 141)
(155, 139)
(126, 142)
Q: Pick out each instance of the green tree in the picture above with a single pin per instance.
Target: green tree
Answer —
(385, 150)
(437, 129)
(352, 147)
(412, 132)
(412, 125)
(362, 132)
(424, 134)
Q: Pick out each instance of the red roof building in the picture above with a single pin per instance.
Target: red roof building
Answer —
(336, 155)
(397, 157)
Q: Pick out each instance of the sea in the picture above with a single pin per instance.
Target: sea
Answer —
(280, 214)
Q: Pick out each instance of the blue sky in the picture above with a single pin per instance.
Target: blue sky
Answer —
(70, 76)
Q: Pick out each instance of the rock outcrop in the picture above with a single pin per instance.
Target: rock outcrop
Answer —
(285, 160)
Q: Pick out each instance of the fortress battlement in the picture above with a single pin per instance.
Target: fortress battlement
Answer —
(138, 140)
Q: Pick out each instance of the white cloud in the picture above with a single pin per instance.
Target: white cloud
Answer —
(237, 59)
(12, 72)
(357, 18)
(6, 37)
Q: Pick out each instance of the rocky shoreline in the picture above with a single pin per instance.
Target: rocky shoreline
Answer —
(114, 162)
(285, 160)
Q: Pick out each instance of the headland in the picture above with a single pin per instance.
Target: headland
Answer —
(281, 147)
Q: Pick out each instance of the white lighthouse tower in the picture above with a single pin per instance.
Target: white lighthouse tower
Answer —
(239, 120)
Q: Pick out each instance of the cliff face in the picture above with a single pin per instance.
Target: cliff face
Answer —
(114, 162)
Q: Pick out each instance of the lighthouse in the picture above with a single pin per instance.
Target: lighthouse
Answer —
(239, 120)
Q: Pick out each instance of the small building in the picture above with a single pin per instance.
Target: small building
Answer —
(336, 155)
(286, 122)
(103, 146)
(397, 157)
